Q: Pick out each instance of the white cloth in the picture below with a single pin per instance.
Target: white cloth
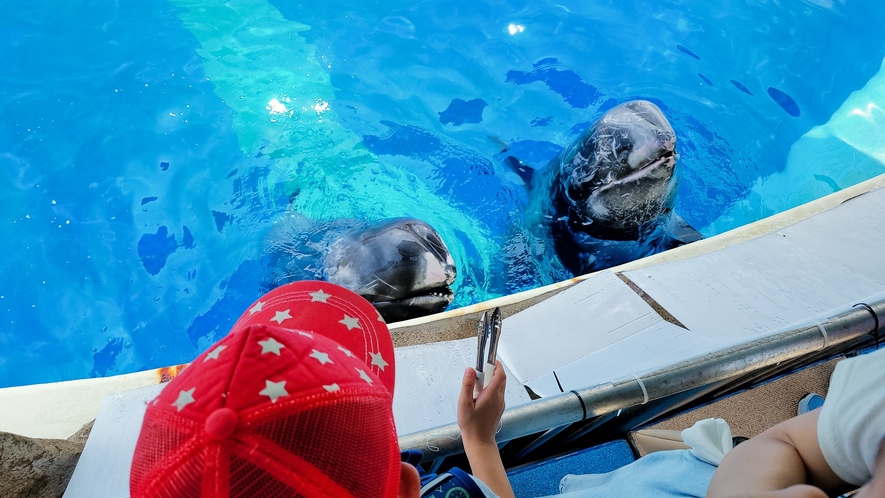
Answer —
(852, 421)
(662, 474)
(487, 491)
(709, 439)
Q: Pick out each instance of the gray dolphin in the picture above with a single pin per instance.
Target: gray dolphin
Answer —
(611, 191)
(400, 265)
(620, 174)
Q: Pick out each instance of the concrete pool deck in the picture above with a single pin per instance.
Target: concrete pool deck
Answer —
(58, 410)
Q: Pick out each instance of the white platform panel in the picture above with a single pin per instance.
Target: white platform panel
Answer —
(428, 382)
(650, 349)
(580, 321)
(103, 468)
(818, 266)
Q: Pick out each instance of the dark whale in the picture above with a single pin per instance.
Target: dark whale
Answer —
(610, 193)
(400, 265)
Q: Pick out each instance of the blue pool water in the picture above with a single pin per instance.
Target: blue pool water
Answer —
(146, 147)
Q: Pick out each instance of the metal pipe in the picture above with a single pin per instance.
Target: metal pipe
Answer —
(536, 416)
(842, 330)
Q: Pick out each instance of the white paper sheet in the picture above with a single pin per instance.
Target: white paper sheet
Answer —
(575, 323)
(428, 382)
(818, 266)
(103, 468)
(650, 349)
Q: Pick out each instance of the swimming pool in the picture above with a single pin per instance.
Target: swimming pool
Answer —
(147, 147)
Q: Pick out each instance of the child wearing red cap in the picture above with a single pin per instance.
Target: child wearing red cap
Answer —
(297, 401)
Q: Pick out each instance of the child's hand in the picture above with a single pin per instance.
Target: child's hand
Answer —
(479, 418)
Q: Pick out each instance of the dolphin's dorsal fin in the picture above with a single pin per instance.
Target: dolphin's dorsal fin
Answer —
(681, 231)
(525, 172)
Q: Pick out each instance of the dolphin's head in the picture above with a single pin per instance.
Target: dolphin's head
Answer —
(401, 266)
(621, 173)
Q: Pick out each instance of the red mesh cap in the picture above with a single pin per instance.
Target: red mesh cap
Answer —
(270, 411)
(335, 312)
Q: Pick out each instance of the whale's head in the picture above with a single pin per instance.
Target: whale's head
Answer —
(401, 266)
(621, 173)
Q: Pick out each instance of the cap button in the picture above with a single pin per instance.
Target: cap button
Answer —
(221, 424)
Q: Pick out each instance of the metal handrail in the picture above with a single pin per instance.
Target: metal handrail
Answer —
(841, 330)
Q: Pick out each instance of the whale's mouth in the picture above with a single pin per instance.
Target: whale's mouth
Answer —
(665, 160)
(658, 170)
(415, 305)
(617, 209)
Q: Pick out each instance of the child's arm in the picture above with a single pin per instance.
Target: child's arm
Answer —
(778, 462)
(478, 420)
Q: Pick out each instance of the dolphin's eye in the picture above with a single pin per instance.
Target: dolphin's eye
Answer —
(579, 190)
(434, 240)
(409, 249)
(425, 233)
(621, 144)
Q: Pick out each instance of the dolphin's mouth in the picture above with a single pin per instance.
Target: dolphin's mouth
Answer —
(414, 305)
(658, 170)
(617, 209)
(667, 158)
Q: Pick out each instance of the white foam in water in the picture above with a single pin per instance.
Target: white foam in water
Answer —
(848, 149)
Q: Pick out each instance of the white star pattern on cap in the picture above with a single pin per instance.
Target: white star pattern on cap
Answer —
(319, 296)
(351, 322)
(280, 316)
(184, 398)
(274, 390)
(271, 346)
(323, 358)
(255, 309)
(214, 354)
(380, 318)
(332, 388)
(364, 375)
(378, 361)
(348, 353)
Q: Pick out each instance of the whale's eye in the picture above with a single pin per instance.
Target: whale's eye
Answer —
(622, 145)
(434, 240)
(579, 190)
(427, 235)
(409, 249)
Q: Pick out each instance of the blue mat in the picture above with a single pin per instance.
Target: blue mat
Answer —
(542, 478)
